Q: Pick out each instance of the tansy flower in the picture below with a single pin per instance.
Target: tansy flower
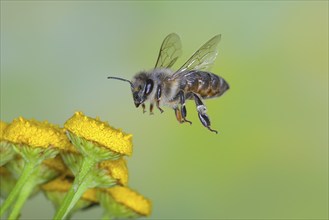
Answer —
(36, 134)
(96, 141)
(123, 202)
(35, 141)
(100, 132)
(78, 166)
(6, 150)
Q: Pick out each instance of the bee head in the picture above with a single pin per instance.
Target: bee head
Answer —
(141, 87)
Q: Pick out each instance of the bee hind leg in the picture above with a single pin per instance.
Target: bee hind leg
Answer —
(183, 108)
(201, 108)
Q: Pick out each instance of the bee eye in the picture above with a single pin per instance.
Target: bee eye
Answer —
(149, 86)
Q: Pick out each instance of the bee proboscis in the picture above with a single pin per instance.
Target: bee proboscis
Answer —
(162, 86)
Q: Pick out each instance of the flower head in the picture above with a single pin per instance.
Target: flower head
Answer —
(130, 199)
(100, 132)
(36, 134)
(35, 142)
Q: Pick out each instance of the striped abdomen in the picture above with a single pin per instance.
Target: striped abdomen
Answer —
(206, 84)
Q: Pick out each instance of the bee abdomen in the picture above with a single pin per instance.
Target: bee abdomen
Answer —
(206, 84)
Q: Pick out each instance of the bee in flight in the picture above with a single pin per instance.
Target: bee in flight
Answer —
(162, 86)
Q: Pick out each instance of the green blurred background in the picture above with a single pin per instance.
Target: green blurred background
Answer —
(270, 158)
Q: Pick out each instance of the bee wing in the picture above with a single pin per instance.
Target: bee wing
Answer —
(170, 51)
(202, 59)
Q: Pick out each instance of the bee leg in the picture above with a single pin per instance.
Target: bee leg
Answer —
(158, 97)
(151, 109)
(201, 108)
(178, 115)
(143, 106)
(183, 108)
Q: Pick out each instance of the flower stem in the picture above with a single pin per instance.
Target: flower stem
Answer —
(87, 164)
(71, 198)
(28, 170)
(22, 197)
(80, 185)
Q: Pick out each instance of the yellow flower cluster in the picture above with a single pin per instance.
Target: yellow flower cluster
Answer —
(36, 134)
(43, 135)
(100, 132)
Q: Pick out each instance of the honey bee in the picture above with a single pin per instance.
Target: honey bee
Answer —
(162, 86)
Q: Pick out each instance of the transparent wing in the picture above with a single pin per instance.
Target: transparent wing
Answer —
(202, 59)
(170, 50)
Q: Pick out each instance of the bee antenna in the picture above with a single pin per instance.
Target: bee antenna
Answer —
(118, 78)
